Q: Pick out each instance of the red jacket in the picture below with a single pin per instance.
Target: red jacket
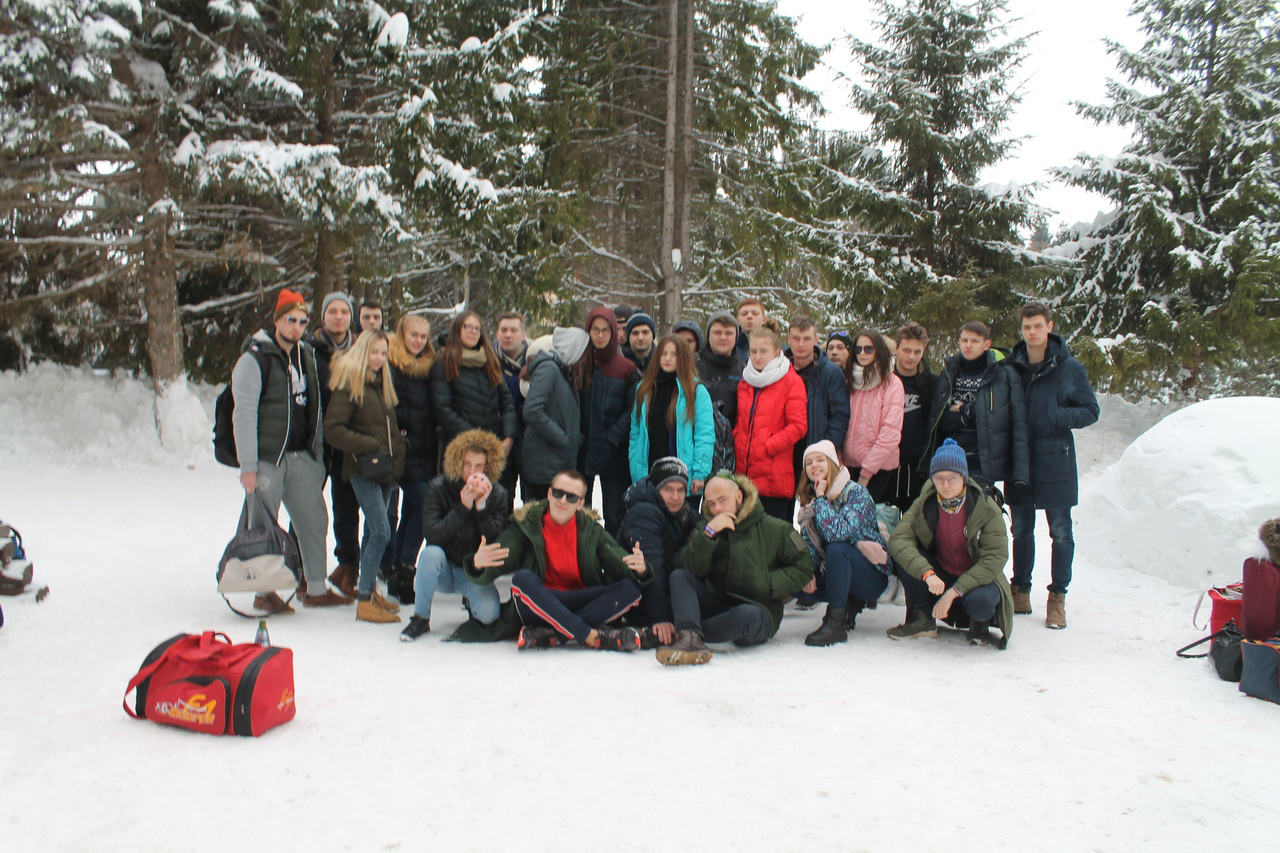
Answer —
(770, 422)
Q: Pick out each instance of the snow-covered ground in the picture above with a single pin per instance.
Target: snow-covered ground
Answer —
(1093, 738)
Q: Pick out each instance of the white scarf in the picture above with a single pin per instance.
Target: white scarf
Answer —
(773, 371)
(857, 380)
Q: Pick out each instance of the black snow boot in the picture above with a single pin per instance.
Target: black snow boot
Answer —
(832, 629)
(856, 606)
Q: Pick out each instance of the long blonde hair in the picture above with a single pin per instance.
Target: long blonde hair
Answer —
(351, 367)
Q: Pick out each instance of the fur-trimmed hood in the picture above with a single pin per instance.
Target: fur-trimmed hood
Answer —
(540, 506)
(495, 459)
(418, 367)
(750, 497)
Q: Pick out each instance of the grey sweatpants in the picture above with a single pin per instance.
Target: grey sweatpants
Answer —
(298, 482)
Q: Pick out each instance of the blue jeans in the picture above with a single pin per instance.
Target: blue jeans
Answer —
(409, 536)
(435, 572)
(846, 572)
(374, 499)
(1024, 546)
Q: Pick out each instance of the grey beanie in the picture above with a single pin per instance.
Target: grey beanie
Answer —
(723, 317)
(337, 294)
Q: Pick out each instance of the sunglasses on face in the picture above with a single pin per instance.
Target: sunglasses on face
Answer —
(567, 497)
(866, 348)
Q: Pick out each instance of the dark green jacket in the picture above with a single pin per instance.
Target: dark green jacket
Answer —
(369, 427)
(912, 546)
(762, 561)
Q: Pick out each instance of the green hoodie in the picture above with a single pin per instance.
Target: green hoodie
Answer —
(762, 561)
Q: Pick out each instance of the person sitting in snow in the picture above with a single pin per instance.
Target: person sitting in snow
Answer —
(950, 549)
(571, 579)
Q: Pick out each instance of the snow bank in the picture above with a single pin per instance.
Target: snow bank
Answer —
(1185, 500)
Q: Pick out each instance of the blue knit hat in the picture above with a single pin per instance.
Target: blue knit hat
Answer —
(640, 318)
(950, 457)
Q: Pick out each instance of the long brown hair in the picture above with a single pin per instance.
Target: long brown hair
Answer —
(878, 369)
(804, 491)
(686, 376)
(451, 358)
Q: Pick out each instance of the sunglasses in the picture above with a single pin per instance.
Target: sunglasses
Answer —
(568, 497)
(865, 348)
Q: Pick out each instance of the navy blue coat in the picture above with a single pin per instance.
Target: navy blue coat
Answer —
(828, 401)
(662, 536)
(606, 419)
(1059, 399)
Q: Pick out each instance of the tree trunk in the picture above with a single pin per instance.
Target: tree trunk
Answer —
(670, 292)
(685, 172)
(326, 244)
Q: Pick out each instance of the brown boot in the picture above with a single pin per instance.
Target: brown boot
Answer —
(344, 578)
(369, 611)
(329, 598)
(1021, 600)
(384, 604)
(1056, 611)
(271, 602)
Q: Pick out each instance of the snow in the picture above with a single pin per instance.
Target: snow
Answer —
(104, 32)
(470, 45)
(502, 92)
(394, 33)
(1093, 738)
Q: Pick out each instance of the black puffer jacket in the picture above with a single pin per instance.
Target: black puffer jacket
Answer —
(411, 378)
(999, 413)
(662, 536)
(471, 402)
(721, 374)
(445, 521)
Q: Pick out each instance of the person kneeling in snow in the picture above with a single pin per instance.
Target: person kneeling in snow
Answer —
(737, 572)
(571, 578)
(951, 545)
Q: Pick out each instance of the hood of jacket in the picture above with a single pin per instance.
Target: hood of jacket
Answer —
(750, 499)
(1054, 348)
(685, 326)
(417, 367)
(609, 351)
(495, 459)
(569, 344)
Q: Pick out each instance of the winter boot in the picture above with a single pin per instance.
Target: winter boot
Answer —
(979, 632)
(617, 639)
(344, 578)
(687, 649)
(856, 606)
(1056, 611)
(368, 610)
(328, 598)
(384, 604)
(832, 629)
(918, 624)
(1021, 600)
(416, 628)
(271, 603)
(538, 637)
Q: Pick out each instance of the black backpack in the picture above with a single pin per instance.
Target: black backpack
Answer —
(224, 439)
(722, 458)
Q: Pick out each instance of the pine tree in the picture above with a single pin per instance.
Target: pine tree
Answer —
(1179, 283)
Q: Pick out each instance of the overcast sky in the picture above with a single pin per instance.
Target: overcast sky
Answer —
(1066, 62)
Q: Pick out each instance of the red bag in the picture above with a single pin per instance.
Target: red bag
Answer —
(1261, 616)
(1225, 602)
(200, 682)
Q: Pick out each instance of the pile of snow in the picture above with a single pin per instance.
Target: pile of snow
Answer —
(1101, 445)
(1185, 500)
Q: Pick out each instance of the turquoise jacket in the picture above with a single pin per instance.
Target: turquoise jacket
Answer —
(695, 442)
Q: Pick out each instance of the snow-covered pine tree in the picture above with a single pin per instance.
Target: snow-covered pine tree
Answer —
(1180, 284)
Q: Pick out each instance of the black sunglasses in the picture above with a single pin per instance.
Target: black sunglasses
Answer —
(867, 348)
(562, 495)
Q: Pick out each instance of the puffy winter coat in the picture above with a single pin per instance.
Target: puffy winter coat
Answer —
(771, 421)
(695, 442)
(762, 560)
(606, 406)
(263, 413)
(445, 521)
(875, 428)
(912, 546)
(471, 402)
(369, 427)
(851, 518)
(662, 536)
(1000, 415)
(721, 374)
(827, 400)
(412, 380)
(552, 421)
(1059, 399)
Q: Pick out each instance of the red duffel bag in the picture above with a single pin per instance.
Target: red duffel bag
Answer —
(1261, 610)
(206, 683)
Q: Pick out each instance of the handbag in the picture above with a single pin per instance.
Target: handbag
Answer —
(1260, 676)
(1261, 611)
(1224, 651)
(205, 683)
(1225, 604)
(378, 466)
(258, 559)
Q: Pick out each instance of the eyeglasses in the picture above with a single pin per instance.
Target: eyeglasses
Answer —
(568, 497)
(471, 328)
(297, 321)
(866, 348)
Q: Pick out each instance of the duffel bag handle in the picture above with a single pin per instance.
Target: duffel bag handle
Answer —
(148, 670)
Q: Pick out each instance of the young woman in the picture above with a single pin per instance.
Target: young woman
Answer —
(467, 388)
(875, 414)
(772, 406)
(838, 521)
(606, 380)
(410, 356)
(672, 416)
(361, 421)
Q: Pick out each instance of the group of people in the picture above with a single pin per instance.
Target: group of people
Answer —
(739, 467)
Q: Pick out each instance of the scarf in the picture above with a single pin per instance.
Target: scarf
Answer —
(951, 505)
(473, 358)
(773, 371)
(858, 383)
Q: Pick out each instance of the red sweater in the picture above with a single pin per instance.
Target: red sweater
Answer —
(561, 542)
(953, 548)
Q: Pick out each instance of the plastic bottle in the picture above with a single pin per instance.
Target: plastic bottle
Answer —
(262, 638)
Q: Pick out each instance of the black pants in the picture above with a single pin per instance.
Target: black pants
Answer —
(906, 483)
(718, 620)
(572, 612)
(878, 485)
(346, 516)
(979, 603)
(509, 474)
(780, 508)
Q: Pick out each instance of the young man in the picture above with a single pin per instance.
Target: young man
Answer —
(736, 573)
(370, 316)
(279, 441)
(570, 578)
(750, 314)
(1059, 399)
(462, 506)
(838, 344)
(719, 367)
(977, 400)
(690, 334)
(640, 332)
(917, 380)
(513, 353)
(659, 521)
(824, 386)
(950, 550)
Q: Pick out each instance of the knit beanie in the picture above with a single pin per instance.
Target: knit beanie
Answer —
(288, 301)
(334, 297)
(826, 447)
(569, 343)
(950, 457)
(639, 318)
(843, 335)
(666, 469)
(683, 326)
(722, 317)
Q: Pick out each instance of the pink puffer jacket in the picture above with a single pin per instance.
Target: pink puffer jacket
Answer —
(875, 428)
